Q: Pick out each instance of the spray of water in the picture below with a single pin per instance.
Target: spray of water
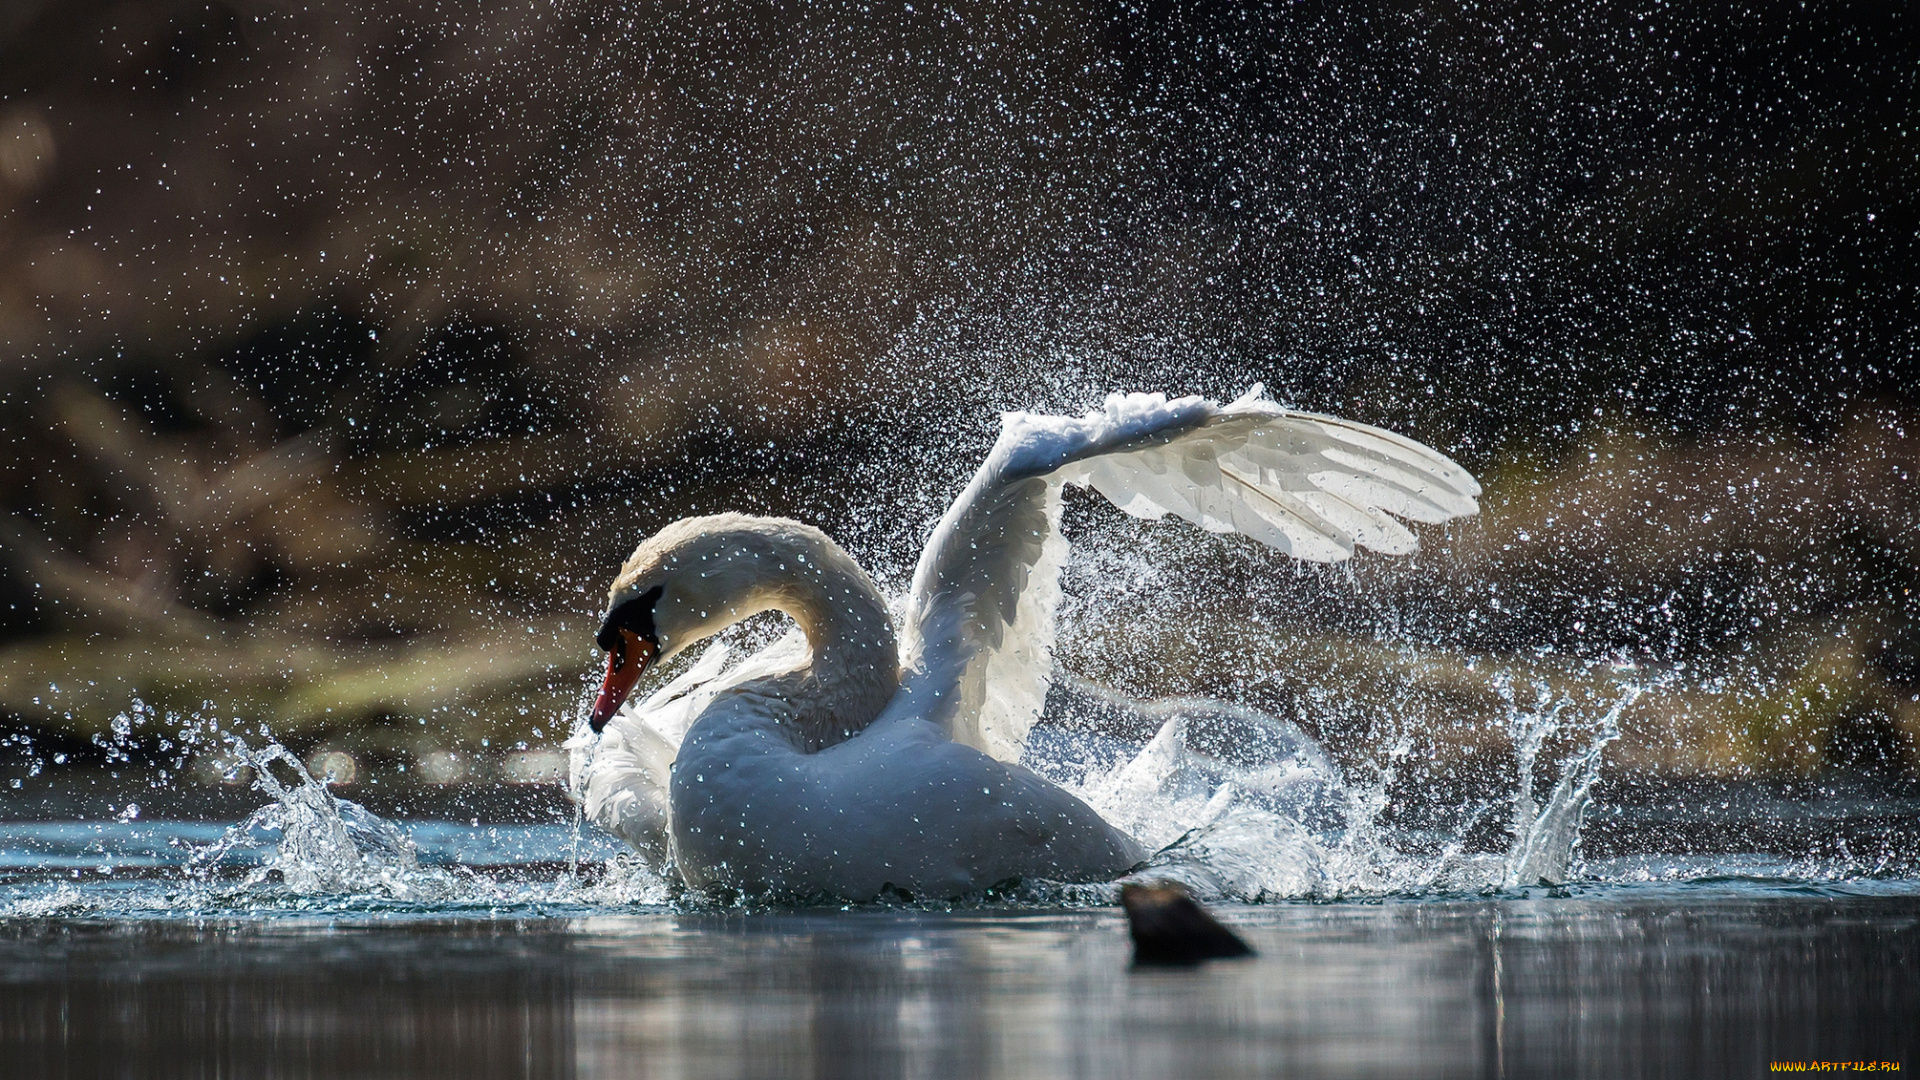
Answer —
(1248, 807)
(1545, 837)
(320, 843)
(1237, 804)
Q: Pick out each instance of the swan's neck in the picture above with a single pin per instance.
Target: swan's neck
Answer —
(855, 665)
(850, 634)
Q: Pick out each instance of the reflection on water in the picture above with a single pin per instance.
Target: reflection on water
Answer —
(315, 937)
(1693, 981)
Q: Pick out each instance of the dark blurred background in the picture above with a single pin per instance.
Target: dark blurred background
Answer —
(349, 346)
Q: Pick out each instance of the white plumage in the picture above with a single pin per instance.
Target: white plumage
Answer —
(836, 761)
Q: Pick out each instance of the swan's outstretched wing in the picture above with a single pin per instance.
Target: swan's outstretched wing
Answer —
(979, 627)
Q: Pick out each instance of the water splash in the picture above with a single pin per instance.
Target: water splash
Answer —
(321, 844)
(311, 843)
(1273, 818)
(1238, 804)
(1544, 837)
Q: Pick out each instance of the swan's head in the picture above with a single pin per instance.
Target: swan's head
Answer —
(688, 582)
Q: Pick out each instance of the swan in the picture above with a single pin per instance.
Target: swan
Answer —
(854, 757)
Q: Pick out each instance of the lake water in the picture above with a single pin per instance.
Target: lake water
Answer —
(275, 928)
(118, 957)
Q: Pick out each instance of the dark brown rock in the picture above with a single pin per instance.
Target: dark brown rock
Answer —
(1170, 928)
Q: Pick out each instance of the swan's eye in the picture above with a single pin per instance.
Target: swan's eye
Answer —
(635, 615)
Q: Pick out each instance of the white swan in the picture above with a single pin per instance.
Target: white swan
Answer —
(842, 760)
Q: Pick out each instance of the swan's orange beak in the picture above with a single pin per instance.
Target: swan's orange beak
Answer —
(624, 668)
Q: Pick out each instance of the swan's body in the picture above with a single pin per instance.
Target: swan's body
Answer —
(842, 760)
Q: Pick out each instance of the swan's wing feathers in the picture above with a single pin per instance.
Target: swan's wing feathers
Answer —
(981, 612)
(1313, 486)
(980, 622)
(1385, 445)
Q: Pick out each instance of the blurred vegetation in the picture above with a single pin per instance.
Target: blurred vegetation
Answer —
(348, 347)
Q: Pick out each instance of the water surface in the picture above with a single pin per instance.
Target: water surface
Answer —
(314, 937)
(1698, 980)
